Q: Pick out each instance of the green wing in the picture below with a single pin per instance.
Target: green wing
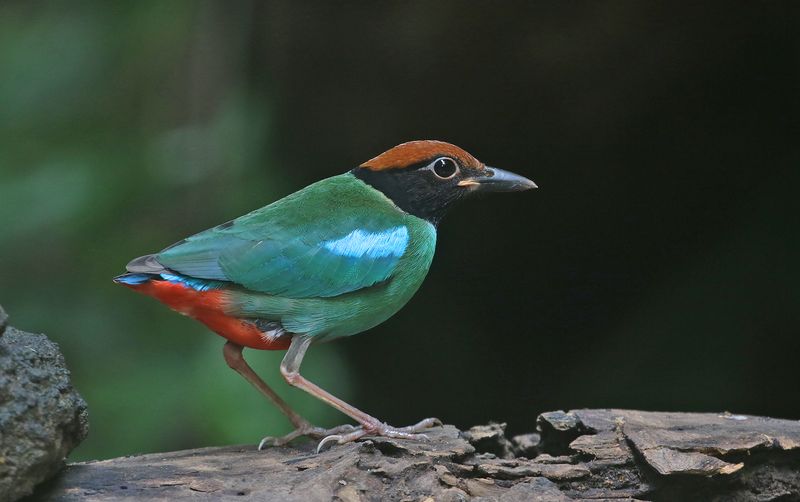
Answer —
(333, 237)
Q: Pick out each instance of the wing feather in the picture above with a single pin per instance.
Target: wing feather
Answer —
(307, 245)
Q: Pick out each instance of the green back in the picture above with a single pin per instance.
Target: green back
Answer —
(333, 237)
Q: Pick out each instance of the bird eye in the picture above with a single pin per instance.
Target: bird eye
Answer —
(444, 167)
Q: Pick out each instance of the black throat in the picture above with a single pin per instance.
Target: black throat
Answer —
(417, 192)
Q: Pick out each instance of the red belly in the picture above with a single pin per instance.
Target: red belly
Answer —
(206, 307)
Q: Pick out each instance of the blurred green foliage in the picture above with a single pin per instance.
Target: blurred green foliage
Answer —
(107, 152)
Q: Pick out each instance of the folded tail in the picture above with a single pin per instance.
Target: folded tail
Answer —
(133, 279)
(140, 270)
(204, 300)
(147, 268)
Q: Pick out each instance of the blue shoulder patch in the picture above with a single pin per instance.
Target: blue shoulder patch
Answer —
(359, 243)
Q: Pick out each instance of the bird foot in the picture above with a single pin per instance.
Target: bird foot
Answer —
(382, 429)
(308, 431)
(425, 423)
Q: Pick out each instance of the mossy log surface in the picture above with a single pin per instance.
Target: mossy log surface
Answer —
(578, 455)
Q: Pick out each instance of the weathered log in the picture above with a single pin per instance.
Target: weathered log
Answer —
(583, 454)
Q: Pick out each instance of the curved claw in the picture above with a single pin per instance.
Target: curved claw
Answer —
(280, 441)
(383, 430)
(355, 435)
(310, 432)
(333, 437)
(267, 441)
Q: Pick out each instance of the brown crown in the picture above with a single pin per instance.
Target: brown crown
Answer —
(414, 152)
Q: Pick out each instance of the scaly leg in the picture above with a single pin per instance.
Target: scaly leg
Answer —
(290, 369)
(235, 359)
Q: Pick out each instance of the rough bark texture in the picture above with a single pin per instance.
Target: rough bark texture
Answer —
(580, 455)
(42, 417)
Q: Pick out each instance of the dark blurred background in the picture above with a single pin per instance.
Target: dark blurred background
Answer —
(655, 268)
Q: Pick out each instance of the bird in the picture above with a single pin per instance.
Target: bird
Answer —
(331, 260)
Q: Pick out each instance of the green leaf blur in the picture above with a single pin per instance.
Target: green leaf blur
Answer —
(109, 148)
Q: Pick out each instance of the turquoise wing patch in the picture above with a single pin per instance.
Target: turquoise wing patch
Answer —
(372, 245)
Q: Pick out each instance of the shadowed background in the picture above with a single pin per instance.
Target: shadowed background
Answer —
(655, 268)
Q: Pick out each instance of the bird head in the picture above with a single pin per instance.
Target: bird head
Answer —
(425, 178)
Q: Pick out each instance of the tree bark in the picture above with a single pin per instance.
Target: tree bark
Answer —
(579, 455)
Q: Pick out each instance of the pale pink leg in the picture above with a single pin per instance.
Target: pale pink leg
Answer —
(235, 359)
(370, 426)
